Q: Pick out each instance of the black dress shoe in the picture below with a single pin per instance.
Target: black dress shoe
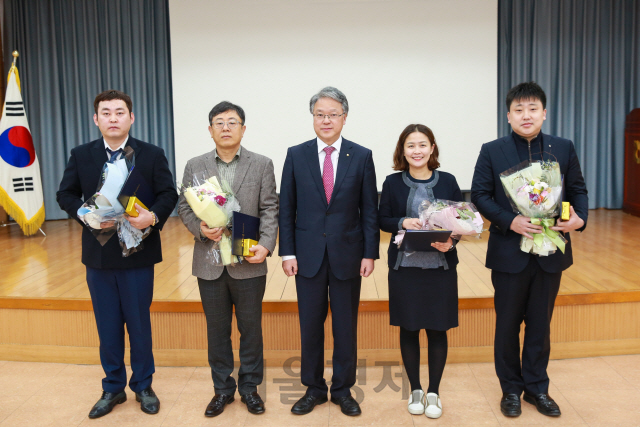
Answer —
(348, 405)
(106, 403)
(544, 404)
(307, 403)
(149, 402)
(254, 403)
(510, 405)
(217, 404)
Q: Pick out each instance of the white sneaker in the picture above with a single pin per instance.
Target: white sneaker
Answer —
(416, 402)
(434, 406)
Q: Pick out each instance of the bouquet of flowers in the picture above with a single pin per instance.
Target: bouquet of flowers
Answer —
(462, 218)
(105, 216)
(535, 190)
(214, 203)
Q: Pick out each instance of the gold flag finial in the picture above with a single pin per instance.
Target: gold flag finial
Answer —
(13, 69)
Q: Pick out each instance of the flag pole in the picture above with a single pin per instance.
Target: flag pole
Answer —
(14, 69)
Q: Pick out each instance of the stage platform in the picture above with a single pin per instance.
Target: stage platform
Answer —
(46, 312)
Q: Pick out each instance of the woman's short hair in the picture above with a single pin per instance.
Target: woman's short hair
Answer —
(400, 162)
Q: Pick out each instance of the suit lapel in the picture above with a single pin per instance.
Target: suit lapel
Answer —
(510, 152)
(98, 153)
(210, 167)
(244, 162)
(344, 160)
(314, 167)
(133, 143)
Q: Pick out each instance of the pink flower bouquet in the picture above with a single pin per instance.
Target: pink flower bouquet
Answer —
(462, 218)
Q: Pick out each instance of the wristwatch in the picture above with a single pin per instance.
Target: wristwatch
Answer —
(155, 218)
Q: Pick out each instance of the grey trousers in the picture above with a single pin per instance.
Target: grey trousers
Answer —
(218, 298)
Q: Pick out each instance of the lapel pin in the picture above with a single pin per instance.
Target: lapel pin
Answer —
(347, 155)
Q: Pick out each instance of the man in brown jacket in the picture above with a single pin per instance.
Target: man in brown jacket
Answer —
(252, 180)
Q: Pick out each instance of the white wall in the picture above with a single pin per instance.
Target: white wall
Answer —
(397, 61)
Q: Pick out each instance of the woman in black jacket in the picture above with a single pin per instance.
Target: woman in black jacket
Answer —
(423, 286)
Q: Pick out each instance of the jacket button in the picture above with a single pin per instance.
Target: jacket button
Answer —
(324, 234)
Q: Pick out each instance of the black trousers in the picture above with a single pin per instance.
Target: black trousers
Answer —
(119, 297)
(314, 296)
(527, 296)
(218, 298)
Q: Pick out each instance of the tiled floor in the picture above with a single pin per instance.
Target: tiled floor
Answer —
(602, 391)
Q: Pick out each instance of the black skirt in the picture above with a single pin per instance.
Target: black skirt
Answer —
(423, 298)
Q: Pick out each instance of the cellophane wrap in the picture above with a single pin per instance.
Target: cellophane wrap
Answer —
(534, 189)
(103, 214)
(213, 202)
(461, 218)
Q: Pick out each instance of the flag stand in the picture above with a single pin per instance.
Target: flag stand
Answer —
(15, 223)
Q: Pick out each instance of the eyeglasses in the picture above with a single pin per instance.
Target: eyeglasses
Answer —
(320, 117)
(231, 124)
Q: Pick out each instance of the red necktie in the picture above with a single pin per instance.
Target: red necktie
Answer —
(327, 173)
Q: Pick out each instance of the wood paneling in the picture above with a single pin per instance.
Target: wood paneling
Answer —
(57, 330)
(164, 357)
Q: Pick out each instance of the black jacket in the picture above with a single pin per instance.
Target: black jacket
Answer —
(393, 207)
(487, 193)
(79, 183)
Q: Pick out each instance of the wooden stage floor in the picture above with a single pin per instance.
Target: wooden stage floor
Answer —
(605, 261)
(46, 312)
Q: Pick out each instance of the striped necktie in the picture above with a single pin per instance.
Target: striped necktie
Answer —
(114, 154)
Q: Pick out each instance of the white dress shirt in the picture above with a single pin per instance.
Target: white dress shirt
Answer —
(321, 156)
(334, 155)
(121, 147)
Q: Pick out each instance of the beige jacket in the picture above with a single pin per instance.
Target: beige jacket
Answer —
(254, 185)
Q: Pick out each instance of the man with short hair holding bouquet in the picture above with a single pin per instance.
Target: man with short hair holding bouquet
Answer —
(251, 180)
(526, 284)
(121, 288)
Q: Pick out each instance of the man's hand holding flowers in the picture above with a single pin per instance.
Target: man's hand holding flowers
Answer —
(522, 225)
(107, 224)
(214, 234)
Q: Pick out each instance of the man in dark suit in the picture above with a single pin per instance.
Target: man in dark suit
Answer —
(242, 286)
(121, 288)
(329, 239)
(526, 285)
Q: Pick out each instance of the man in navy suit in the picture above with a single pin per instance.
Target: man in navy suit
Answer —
(329, 239)
(121, 288)
(526, 285)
